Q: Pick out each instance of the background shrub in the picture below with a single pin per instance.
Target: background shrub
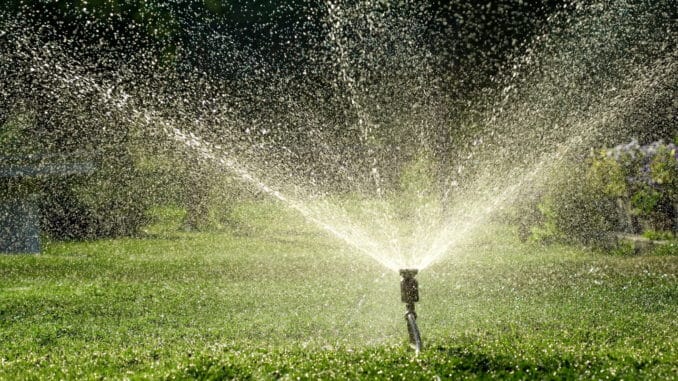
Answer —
(629, 188)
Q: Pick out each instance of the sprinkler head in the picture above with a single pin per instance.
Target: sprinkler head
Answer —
(409, 287)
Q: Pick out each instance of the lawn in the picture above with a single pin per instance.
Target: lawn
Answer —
(276, 298)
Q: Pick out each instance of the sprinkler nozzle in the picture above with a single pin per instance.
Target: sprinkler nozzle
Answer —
(409, 287)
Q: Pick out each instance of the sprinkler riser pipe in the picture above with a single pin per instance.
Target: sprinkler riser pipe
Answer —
(409, 294)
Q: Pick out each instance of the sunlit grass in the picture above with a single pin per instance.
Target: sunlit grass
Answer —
(276, 298)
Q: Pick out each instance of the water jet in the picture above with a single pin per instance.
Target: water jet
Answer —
(409, 294)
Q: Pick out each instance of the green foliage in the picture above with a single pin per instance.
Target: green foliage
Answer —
(577, 211)
(606, 175)
(14, 144)
(548, 231)
(645, 200)
(651, 175)
(668, 249)
(630, 188)
(115, 200)
(623, 249)
(664, 170)
(110, 202)
(658, 235)
(14, 141)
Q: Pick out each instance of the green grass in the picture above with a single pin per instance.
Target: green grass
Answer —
(275, 298)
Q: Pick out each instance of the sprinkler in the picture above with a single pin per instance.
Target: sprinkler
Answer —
(409, 294)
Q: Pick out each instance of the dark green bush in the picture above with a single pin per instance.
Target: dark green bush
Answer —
(658, 235)
(575, 211)
(650, 187)
(629, 188)
(670, 248)
(111, 202)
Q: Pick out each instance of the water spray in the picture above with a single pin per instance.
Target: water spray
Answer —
(409, 294)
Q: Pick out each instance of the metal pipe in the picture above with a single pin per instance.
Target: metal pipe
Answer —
(409, 294)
